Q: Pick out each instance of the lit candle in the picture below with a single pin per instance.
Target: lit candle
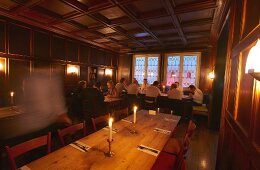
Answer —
(110, 122)
(135, 109)
(12, 97)
(163, 88)
(158, 110)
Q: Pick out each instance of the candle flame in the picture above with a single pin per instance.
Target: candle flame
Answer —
(12, 93)
(110, 121)
(135, 108)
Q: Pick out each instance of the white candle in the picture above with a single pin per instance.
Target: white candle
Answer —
(12, 97)
(135, 109)
(163, 88)
(110, 122)
(158, 110)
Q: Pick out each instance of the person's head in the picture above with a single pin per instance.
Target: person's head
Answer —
(97, 85)
(82, 84)
(192, 88)
(135, 81)
(122, 80)
(156, 83)
(110, 84)
(145, 81)
(174, 86)
(177, 83)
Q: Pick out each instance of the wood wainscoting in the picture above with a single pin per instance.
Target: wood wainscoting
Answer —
(239, 139)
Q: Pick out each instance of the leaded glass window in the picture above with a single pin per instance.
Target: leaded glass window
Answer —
(139, 69)
(146, 66)
(189, 70)
(152, 69)
(173, 69)
(183, 68)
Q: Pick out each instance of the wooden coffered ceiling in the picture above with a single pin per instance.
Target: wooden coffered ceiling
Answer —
(122, 25)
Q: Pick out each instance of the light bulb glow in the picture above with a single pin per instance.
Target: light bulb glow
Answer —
(253, 59)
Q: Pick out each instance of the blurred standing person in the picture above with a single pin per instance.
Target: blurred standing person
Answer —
(121, 86)
(43, 105)
(112, 92)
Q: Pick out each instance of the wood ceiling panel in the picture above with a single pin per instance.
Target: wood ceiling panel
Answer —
(119, 37)
(197, 28)
(180, 2)
(66, 27)
(130, 26)
(57, 7)
(165, 32)
(112, 13)
(147, 5)
(196, 15)
(106, 30)
(36, 16)
(101, 40)
(85, 20)
(159, 21)
(7, 4)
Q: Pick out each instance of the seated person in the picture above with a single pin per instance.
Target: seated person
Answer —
(196, 95)
(98, 86)
(93, 100)
(144, 86)
(153, 91)
(174, 92)
(178, 86)
(133, 88)
(121, 86)
(112, 92)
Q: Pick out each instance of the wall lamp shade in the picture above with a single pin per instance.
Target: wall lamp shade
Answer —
(108, 72)
(2, 64)
(253, 61)
(73, 69)
(212, 75)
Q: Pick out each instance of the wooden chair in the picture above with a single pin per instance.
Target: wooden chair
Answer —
(70, 131)
(17, 150)
(168, 161)
(150, 103)
(121, 113)
(99, 120)
(173, 145)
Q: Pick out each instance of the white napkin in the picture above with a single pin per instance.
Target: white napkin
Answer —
(167, 132)
(24, 168)
(114, 130)
(148, 150)
(125, 120)
(80, 146)
(170, 120)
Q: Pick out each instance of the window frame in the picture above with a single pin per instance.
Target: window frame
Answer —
(146, 64)
(198, 54)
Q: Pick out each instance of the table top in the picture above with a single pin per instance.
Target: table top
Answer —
(127, 156)
(9, 111)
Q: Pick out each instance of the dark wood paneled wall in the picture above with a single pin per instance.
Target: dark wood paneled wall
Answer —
(27, 48)
(239, 141)
(125, 67)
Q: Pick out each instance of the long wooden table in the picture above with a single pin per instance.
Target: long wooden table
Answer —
(127, 156)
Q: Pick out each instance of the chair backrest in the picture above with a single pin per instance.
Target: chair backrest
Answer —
(70, 131)
(121, 113)
(99, 120)
(191, 127)
(17, 150)
(148, 99)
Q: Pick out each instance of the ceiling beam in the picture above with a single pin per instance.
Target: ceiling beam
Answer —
(134, 18)
(169, 6)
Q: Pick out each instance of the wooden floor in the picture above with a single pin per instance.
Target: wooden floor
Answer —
(203, 147)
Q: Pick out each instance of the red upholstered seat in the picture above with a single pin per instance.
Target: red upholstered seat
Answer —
(164, 161)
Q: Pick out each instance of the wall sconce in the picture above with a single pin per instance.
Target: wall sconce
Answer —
(212, 75)
(2, 65)
(108, 72)
(253, 61)
(72, 69)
